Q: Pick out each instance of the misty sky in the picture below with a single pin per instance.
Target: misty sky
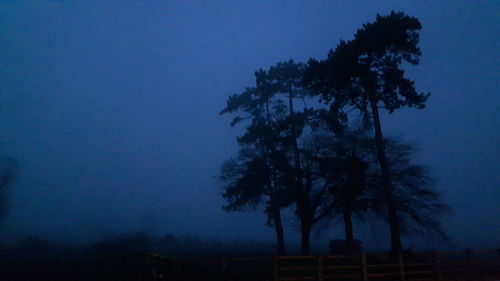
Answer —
(111, 108)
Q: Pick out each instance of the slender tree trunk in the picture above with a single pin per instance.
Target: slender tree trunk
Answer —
(349, 235)
(386, 177)
(278, 227)
(302, 201)
(305, 231)
(294, 139)
(276, 207)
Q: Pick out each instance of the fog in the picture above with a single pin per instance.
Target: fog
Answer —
(111, 109)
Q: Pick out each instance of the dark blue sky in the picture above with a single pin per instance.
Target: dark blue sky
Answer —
(111, 107)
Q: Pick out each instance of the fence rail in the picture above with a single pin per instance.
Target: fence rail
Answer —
(426, 266)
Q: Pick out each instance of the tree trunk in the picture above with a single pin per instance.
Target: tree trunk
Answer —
(278, 227)
(302, 201)
(296, 156)
(305, 231)
(386, 177)
(349, 235)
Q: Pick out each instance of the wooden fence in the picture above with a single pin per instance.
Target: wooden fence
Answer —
(436, 266)
(355, 267)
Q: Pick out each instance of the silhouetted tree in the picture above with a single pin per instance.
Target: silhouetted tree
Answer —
(357, 184)
(281, 139)
(257, 172)
(365, 73)
(284, 82)
(247, 181)
(347, 165)
(417, 202)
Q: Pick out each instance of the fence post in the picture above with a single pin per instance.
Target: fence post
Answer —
(401, 269)
(275, 269)
(437, 265)
(363, 266)
(320, 268)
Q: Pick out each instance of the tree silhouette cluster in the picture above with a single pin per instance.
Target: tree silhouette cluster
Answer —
(313, 138)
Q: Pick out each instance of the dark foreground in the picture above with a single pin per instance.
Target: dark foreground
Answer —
(109, 262)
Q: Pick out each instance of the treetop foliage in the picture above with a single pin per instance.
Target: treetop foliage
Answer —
(368, 66)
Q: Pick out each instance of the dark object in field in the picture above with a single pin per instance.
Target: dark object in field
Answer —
(343, 247)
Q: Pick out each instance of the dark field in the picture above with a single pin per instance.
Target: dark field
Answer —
(134, 257)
